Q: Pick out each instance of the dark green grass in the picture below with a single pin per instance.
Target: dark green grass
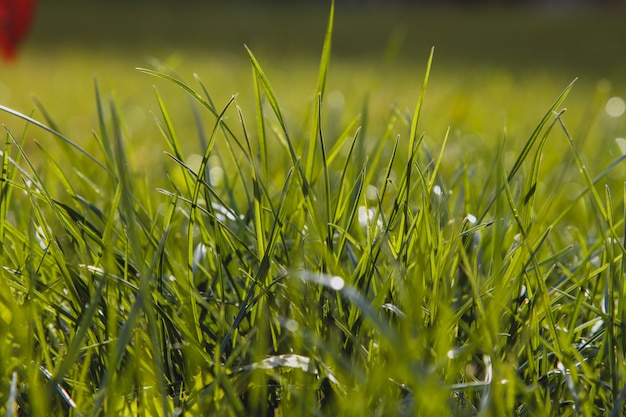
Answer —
(312, 271)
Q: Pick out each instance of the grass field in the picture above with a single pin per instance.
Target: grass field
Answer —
(369, 233)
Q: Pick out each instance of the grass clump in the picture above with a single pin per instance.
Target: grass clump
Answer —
(319, 274)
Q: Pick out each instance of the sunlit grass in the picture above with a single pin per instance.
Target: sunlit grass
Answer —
(330, 241)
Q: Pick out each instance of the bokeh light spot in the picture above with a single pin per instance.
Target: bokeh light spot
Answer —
(336, 283)
(615, 106)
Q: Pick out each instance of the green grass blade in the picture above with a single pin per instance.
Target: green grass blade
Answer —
(418, 107)
(261, 130)
(104, 133)
(263, 269)
(319, 90)
(259, 223)
(54, 133)
(182, 85)
(271, 98)
(535, 135)
(329, 220)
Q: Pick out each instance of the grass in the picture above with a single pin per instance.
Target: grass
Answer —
(315, 264)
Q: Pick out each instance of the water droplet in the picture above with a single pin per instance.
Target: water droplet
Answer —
(336, 283)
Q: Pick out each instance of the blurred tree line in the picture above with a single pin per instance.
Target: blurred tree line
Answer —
(564, 3)
(463, 2)
(548, 3)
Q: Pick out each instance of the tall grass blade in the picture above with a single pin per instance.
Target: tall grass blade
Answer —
(104, 133)
(259, 223)
(319, 90)
(535, 135)
(261, 130)
(320, 134)
(271, 98)
(418, 107)
(194, 217)
(54, 133)
(261, 274)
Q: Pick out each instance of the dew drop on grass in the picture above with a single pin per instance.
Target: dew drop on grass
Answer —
(615, 106)
(332, 281)
(222, 213)
(364, 215)
(336, 283)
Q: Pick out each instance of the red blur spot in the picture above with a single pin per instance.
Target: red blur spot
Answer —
(16, 17)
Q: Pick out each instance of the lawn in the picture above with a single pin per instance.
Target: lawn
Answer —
(283, 228)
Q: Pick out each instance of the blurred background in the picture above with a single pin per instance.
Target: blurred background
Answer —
(559, 34)
(497, 63)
